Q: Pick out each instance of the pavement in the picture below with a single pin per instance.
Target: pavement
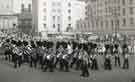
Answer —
(27, 74)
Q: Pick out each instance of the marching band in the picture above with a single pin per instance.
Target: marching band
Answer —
(63, 55)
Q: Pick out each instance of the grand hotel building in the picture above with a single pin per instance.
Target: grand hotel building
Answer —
(56, 16)
(107, 16)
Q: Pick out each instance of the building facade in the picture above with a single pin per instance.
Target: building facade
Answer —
(25, 17)
(109, 16)
(7, 17)
(57, 15)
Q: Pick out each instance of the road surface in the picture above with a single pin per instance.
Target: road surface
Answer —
(27, 74)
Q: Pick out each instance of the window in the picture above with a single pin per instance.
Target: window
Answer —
(22, 7)
(44, 9)
(123, 2)
(69, 25)
(131, 2)
(112, 24)
(53, 25)
(54, 18)
(124, 22)
(7, 6)
(96, 23)
(58, 18)
(101, 24)
(58, 29)
(117, 1)
(53, 10)
(45, 18)
(69, 10)
(44, 25)
(124, 11)
(58, 25)
(119, 13)
(106, 9)
(53, 4)
(44, 3)
(131, 11)
(29, 7)
(26, 22)
(118, 23)
(69, 18)
(69, 4)
(131, 21)
(118, 8)
(14, 24)
(29, 22)
(59, 4)
(59, 10)
(106, 24)
(88, 24)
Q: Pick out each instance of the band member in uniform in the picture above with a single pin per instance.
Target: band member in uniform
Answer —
(59, 54)
(7, 47)
(25, 52)
(126, 61)
(70, 48)
(7, 53)
(33, 57)
(44, 58)
(20, 53)
(17, 57)
(41, 54)
(107, 62)
(50, 61)
(94, 62)
(80, 59)
(75, 57)
(65, 61)
(13, 42)
(117, 58)
(84, 65)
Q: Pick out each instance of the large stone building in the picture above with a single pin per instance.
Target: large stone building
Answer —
(25, 17)
(7, 17)
(109, 16)
(57, 16)
(13, 13)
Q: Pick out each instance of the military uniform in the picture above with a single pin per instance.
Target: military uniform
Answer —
(58, 57)
(33, 58)
(84, 66)
(65, 62)
(107, 62)
(79, 60)
(17, 57)
(75, 55)
(41, 53)
(25, 54)
(126, 62)
(117, 58)
(7, 52)
(94, 63)
(43, 63)
(49, 62)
